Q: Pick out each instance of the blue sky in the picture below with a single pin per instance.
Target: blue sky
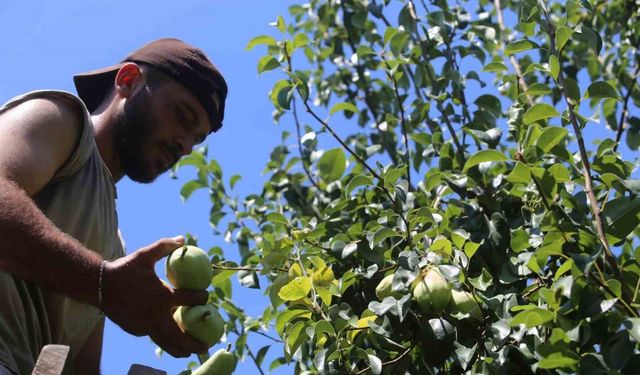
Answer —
(46, 42)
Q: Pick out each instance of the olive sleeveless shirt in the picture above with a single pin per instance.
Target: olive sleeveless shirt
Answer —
(80, 201)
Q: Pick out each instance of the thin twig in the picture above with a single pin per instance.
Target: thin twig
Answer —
(251, 269)
(396, 359)
(255, 360)
(514, 61)
(624, 304)
(359, 68)
(432, 79)
(402, 118)
(624, 113)
(267, 336)
(316, 245)
(304, 164)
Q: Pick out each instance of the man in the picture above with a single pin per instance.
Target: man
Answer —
(62, 264)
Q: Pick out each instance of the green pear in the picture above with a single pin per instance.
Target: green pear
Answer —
(384, 289)
(432, 292)
(189, 267)
(221, 362)
(465, 303)
(203, 322)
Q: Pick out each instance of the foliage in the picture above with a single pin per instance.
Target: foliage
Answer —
(450, 137)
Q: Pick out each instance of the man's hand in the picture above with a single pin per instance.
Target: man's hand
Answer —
(139, 302)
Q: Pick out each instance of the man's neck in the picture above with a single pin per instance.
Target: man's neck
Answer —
(104, 135)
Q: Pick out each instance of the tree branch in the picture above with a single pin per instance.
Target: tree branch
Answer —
(611, 260)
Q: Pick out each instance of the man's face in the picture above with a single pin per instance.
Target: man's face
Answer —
(158, 125)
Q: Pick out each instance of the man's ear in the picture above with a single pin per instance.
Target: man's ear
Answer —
(128, 78)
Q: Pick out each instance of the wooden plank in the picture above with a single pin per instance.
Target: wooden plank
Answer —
(137, 369)
(51, 360)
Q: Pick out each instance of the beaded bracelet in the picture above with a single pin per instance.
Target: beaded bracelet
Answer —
(100, 284)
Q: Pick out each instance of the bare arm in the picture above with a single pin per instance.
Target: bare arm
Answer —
(36, 139)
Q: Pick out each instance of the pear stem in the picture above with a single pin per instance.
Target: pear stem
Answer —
(206, 315)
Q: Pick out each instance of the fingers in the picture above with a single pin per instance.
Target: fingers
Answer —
(177, 343)
(160, 248)
(183, 297)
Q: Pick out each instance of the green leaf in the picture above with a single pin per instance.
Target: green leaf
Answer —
(554, 66)
(276, 217)
(532, 318)
(295, 336)
(381, 235)
(343, 107)
(332, 164)
(261, 40)
(621, 217)
(300, 40)
(358, 180)
(459, 237)
(633, 327)
(375, 363)
(399, 42)
(563, 34)
(520, 174)
(284, 96)
(572, 90)
(495, 67)
(287, 315)
(519, 46)
(267, 63)
(558, 360)
(280, 24)
(551, 137)
(296, 289)
(222, 276)
(261, 354)
(364, 50)
(560, 173)
(190, 187)
(441, 246)
(234, 179)
(539, 112)
(470, 248)
(601, 90)
(564, 268)
(519, 240)
(484, 156)
(538, 88)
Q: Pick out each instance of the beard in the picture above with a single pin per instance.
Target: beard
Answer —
(134, 127)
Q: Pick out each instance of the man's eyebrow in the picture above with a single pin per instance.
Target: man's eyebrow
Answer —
(194, 116)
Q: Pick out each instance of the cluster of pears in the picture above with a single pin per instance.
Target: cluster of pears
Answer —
(189, 267)
(433, 295)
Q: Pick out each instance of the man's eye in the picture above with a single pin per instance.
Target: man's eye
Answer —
(182, 117)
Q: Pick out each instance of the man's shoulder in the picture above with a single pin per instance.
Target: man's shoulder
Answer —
(39, 132)
(48, 106)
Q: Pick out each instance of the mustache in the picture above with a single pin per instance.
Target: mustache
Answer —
(174, 151)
